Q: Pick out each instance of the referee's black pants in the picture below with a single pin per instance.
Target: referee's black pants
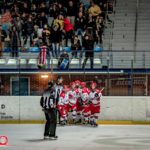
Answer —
(51, 122)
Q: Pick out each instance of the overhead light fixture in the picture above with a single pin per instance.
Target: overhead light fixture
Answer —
(44, 76)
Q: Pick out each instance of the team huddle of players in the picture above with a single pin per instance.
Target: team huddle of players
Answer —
(82, 102)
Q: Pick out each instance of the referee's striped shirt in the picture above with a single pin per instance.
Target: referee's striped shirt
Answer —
(48, 99)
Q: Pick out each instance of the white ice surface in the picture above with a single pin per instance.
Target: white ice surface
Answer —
(105, 137)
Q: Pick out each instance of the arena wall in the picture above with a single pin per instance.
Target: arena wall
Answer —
(27, 108)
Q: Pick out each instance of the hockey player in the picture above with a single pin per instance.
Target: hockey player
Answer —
(72, 106)
(85, 103)
(80, 86)
(95, 97)
(77, 83)
(62, 105)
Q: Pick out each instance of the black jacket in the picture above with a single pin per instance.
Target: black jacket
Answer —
(80, 23)
(3, 35)
(89, 46)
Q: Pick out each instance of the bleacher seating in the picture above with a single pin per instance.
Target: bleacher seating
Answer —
(12, 61)
(143, 26)
(124, 25)
(124, 33)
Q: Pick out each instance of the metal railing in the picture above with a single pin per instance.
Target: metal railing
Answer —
(101, 59)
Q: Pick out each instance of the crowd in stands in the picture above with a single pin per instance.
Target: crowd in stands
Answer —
(56, 23)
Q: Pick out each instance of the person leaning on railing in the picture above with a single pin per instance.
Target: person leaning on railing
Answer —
(63, 62)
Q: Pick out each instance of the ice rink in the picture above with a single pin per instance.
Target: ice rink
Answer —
(105, 137)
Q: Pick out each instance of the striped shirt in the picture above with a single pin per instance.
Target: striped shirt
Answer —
(48, 100)
(58, 89)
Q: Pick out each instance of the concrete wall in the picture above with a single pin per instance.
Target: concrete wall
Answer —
(112, 108)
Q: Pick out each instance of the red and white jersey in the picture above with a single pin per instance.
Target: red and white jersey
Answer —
(85, 96)
(73, 95)
(95, 97)
(63, 99)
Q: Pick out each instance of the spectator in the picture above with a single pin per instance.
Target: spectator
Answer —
(60, 21)
(69, 30)
(94, 10)
(61, 9)
(25, 9)
(36, 41)
(46, 35)
(3, 35)
(75, 45)
(86, 3)
(79, 24)
(90, 21)
(18, 24)
(29, 29)
(56, 38)
(54, 11)
(81, 8)
(23, 28)
(71, 11)
(99, 29)
(63, 62)
(34, 9)
(43, 9)
(15, 41)
(15, 11)
(90, 24)
(37, 2)
(43, 20)
(88, 44)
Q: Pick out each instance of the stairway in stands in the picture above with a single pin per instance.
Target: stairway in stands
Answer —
(123, 39)
(143, 26)
(143, 30)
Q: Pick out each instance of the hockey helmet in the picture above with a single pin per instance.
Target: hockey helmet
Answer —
(77, 82)
(93, 84)
(83, 84)
(72, 84)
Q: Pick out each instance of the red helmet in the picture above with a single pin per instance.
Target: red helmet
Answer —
(94, 84)
(77, 82)
(83, 84)
(65, 88)
(85, 90)
(72, 83)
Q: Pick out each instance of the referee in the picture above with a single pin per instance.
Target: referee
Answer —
(58, 89)
(48, 103)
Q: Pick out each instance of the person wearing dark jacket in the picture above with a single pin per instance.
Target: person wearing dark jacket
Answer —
(43, 20)
(75, 46)
(79, 23)
(56, 38)
(3, 35)
(15, 41)
(48, 104)
(63, 62)
(88, 44)
(29, 29)
(71, 11)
